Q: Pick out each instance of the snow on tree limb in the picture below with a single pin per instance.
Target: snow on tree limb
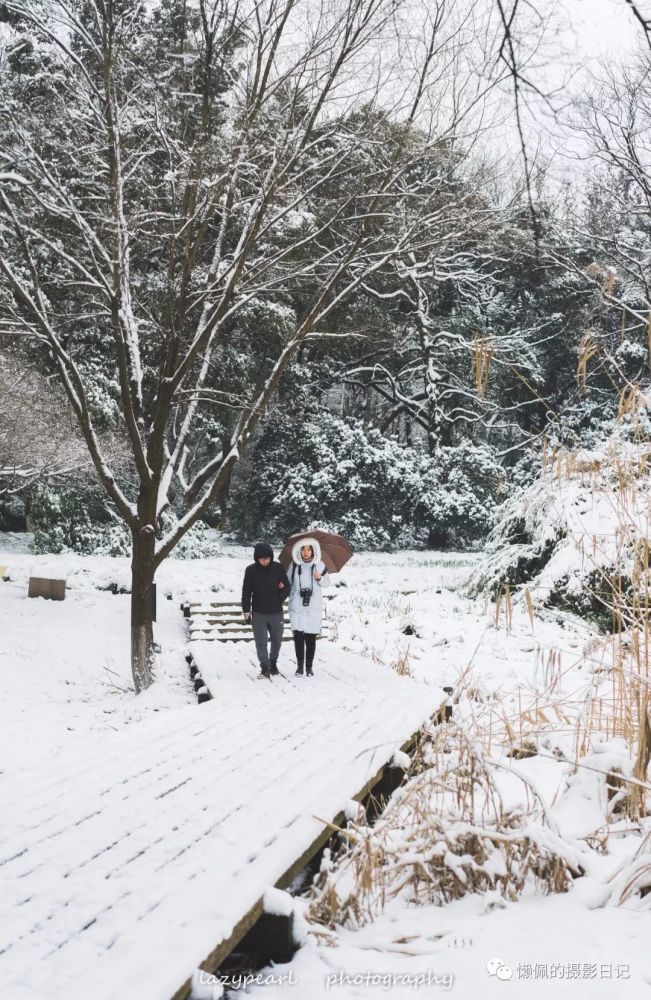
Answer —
(202, 190)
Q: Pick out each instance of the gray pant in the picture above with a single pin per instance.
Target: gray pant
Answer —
(265, 626)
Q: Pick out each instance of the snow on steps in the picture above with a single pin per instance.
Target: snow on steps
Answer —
(223, 621)
(119, 876)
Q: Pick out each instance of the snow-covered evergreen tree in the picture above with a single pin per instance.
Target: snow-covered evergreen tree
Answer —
(169, 167)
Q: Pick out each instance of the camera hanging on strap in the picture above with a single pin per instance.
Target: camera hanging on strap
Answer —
(305, 592)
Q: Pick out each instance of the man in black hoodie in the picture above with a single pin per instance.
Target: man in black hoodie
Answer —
(266, 585)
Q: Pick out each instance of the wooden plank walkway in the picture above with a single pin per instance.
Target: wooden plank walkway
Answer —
(121, 875)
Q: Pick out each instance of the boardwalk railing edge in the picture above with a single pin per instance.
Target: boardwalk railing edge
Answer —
(212, 961)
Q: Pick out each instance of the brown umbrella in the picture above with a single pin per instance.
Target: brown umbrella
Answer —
(335, 550)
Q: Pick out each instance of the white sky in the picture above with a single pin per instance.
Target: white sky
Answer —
(603, 27)
(581, 35)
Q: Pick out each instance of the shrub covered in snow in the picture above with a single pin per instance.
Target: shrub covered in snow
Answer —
(340, 475)
(576, 535)
(12, 513)
(200, 542)
(74, 518)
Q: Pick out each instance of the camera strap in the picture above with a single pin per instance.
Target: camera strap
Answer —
(297, 565)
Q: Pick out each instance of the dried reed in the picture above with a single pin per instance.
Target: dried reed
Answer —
(444, 834)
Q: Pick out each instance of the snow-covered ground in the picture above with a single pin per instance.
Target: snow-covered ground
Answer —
(66, 686)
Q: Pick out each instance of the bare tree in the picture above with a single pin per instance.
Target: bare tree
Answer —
(231, 164)
(39, 437)
(453, 318)
(643, 20)
(416, 368)
(614, 234)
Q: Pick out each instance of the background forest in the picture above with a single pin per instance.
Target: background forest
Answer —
(515, 322)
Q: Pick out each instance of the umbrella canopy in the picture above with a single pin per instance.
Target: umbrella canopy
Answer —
(335, 550)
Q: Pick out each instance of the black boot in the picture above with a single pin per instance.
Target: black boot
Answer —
(264, 671)
(273, 667)
(310, 647)
(299, 649)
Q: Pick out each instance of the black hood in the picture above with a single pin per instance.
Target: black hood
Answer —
(263, 549)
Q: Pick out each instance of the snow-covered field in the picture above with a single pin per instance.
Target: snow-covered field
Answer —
(66, 685)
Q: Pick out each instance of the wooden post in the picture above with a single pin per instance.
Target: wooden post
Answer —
(392, 778)
(271, 939)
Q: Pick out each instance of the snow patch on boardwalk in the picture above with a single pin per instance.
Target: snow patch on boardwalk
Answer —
(120, 873)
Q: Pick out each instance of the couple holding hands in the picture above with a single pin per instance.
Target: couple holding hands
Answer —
(265, 589)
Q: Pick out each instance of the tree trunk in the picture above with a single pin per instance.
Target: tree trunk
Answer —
(142, 628)
(434, 414)
(225, 494)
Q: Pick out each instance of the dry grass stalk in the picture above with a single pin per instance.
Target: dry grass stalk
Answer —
(630, 403)
(605, 278)
(588, 348)
(529, 606)
(498, 605)
(616, 705)
(443, 835)
(483, 354)
(402, 665)
(637, 793)
(631, 883)
(504, 597)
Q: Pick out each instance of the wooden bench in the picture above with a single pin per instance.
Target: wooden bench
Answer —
(50, 589)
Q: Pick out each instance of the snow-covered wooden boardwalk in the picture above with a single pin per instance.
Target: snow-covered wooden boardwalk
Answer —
(122, 873)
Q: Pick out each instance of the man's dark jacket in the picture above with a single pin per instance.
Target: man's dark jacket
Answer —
(260, 586)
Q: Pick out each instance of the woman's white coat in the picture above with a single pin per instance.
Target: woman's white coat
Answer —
(306, 618)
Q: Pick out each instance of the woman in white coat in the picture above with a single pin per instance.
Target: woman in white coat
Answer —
(306, 576)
